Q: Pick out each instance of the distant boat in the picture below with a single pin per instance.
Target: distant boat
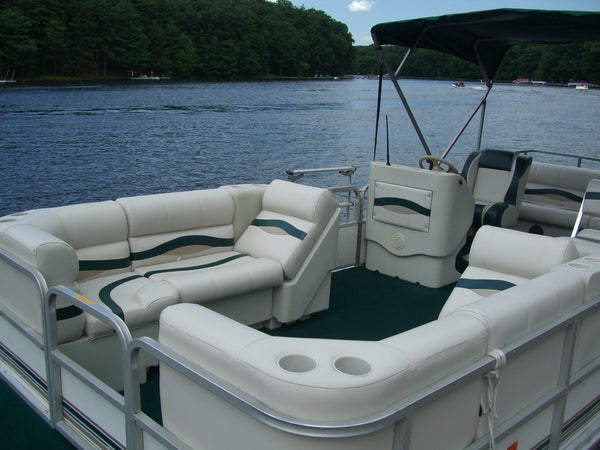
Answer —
(6, 78)
(582, 87)
(458, 84)
(135, 76)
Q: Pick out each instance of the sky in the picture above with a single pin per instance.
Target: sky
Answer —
(361, 15)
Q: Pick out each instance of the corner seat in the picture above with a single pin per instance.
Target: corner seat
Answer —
(501, 258)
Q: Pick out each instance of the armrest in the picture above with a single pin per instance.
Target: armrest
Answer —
(52, 257)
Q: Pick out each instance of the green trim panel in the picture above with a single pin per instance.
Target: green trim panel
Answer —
(183, 241)
(583, 238)
(201, 266)
(106, 298)
(549, 191)
(496, 285)
(68, 312)
(104, 264)
(282, 225)
(496, 159)
(395, 201)
(521, 166)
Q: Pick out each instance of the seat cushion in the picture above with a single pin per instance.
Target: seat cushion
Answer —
(501, 258)
(178, 225)
(217, 276)
(136, 299)
(476, 283)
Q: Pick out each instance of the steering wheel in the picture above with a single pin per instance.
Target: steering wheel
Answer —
(436, 164)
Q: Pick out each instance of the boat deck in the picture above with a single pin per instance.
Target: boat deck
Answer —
(364, 305)
(369, 306)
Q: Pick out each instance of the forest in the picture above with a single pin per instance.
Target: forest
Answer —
(177, 38)
(230, 39)
(552, 63)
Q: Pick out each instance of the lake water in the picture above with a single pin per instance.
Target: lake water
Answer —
(72, 144)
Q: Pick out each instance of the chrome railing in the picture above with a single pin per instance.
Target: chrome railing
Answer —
(351, 199)
(136, 423)
(346, 202)
(579, 158)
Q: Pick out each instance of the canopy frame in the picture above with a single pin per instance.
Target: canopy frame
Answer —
(482, 38)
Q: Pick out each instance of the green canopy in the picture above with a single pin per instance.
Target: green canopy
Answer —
(484, 37)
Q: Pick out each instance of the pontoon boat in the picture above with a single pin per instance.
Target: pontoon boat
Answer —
(461, 311)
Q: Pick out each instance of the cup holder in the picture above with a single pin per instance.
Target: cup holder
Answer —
(8, 219)
(351, 365)
(592, 259)
(579, 266)
(297, 363)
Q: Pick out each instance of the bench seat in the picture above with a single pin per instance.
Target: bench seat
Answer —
(537, 280)
(138, 255)
(502, 258)
(553, 195)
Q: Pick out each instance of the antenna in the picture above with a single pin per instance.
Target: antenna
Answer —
(387, 135)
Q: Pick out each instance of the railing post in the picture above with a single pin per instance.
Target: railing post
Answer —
(564, 377)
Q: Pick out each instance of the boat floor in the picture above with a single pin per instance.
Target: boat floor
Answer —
(364, 305)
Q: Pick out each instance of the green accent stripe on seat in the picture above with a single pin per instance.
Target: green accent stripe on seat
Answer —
(106, 298)
(68, 312)
(495, 285)
(395, 201)
(104, 264)
(583, 238)
(183, 241)
(281, 224)
(521, 166)
(560, 192)
(202, 266)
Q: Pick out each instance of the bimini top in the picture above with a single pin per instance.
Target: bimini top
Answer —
(484, 37)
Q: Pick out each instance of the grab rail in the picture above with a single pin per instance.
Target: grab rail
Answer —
(358, 202)
(398, 414)
(57, 360)
(347, 171)
(579, 158)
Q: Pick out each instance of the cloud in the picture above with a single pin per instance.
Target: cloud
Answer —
(361, 6)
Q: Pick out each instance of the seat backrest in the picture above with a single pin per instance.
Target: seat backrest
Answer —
(501, 258)
(97, 232)
(497, 176)
(292, 218)
(178, 225)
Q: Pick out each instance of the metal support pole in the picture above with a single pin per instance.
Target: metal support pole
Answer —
(394, 78)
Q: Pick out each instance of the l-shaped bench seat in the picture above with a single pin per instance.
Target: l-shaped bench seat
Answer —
(349, 382)
(254, 253)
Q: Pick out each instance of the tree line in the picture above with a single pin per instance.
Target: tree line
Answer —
(227, 39)
(178, 38)
(553, 63)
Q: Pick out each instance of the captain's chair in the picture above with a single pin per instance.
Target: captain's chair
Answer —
(497, 180)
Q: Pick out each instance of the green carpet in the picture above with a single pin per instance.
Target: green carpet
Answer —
(366, 305)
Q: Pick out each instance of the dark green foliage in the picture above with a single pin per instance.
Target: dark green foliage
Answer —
(179, 38)
(555, 63)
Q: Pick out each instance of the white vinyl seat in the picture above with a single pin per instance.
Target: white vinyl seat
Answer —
(501, 258)
(497, 179)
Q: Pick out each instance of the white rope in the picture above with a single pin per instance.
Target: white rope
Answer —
(488, 404)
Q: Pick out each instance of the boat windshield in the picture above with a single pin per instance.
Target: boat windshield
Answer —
(482, 38)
